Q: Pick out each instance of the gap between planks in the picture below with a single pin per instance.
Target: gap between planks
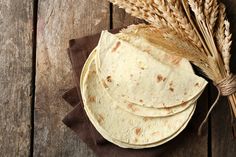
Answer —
(34, 48)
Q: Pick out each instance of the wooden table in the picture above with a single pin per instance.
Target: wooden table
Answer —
(35, 72)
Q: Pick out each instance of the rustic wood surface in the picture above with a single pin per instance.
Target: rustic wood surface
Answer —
(32, 126)
(15, 77)
(59, 21)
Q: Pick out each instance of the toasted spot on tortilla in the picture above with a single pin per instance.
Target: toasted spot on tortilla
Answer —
(131, 106)
(100, 118)
(141, 100)
(171, 89)
(185, 93)
(131, 75)
(118, 84)
(138, 131)
(135, 140)
(146, 118)
(109, 79)
(196, 84)
(171, 83)
(184, 103)
(116, 46)
(159, 78)
(137, 83)
(92, 98)
(94, 72)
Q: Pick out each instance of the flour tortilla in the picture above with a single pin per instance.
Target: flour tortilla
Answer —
(121, 125)
(126, 145)
(141, 43)
(149, 82)
(137, 109)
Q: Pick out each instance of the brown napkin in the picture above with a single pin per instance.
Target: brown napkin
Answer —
(77, 119)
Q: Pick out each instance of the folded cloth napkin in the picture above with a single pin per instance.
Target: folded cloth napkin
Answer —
(77, 120)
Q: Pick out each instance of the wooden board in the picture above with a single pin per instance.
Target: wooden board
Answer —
(222, 141)
(16, 23)
(59, 21)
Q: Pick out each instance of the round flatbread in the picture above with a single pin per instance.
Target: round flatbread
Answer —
(124, 126)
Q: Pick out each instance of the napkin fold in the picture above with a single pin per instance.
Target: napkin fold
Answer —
(77, 120)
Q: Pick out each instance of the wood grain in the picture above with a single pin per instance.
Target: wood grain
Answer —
(222, 142)
(16, 19)
(59, 21)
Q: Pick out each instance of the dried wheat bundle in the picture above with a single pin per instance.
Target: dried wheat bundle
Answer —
(202, 24)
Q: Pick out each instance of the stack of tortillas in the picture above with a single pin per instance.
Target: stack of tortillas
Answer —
(135, 94)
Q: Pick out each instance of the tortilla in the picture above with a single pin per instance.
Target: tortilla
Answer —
(121, 125)
(148, 82)
(126, 145)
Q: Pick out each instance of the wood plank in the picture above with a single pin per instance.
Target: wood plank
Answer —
(16, 23)
(59, 21)
(223, 143)
(192, 145)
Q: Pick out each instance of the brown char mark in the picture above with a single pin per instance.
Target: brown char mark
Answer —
(138, 131)
(159, 78)
(100, 118)
(132, 107)
(116, 46)
(171, 89)
(92, 98)
(109, 79)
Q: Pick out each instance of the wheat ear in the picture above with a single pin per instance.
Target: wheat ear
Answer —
(221, 27)
(142, 10)
(183, 21)
(167, 14)
(211, 12)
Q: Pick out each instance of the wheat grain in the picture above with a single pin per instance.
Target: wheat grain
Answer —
(221, 27)
(196, 7)
(167, 14)
(208, 8)
(227, 46)
(213, 16)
